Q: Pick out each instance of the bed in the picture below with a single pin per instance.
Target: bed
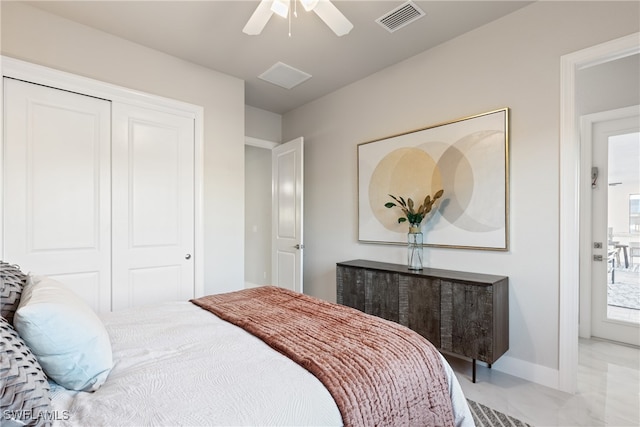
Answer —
(218, 361)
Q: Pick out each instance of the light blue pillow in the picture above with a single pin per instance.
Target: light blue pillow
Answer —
(66, 336)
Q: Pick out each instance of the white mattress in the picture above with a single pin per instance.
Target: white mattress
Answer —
(177, 364)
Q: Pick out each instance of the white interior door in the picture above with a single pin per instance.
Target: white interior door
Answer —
(287, 214)
(57, 187)
(615, 303)
(153, 206)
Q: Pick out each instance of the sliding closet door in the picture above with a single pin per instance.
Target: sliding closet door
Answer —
(153, 206)
(56, 187)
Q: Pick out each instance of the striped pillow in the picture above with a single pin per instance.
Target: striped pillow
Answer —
(12, 281)
(24, 389)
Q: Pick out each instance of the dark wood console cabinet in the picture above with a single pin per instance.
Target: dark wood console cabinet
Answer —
(461, 313)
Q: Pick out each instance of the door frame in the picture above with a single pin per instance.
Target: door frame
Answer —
(270, 145)
(46, 76)
(570, 178)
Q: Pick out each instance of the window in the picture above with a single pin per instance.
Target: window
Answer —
(634, 213)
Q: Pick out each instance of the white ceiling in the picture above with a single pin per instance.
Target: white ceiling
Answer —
(209, 33)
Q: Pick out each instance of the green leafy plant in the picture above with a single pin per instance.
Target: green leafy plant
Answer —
(411, 214)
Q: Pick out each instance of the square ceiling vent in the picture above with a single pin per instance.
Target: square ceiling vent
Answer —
(284, 75)
(400, 17)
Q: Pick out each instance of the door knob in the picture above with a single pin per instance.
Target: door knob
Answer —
(187, 256)
(298, 246)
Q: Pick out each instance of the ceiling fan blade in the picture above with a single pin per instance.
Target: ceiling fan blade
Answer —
(333, 17)
(259, 19)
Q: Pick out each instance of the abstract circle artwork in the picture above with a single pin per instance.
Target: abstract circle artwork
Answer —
(467, 158)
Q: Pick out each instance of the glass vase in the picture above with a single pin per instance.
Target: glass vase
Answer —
(414, 248)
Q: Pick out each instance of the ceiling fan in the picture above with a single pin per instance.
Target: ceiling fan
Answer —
(323, 8)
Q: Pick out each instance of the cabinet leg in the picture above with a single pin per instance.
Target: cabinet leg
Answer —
(473, 370)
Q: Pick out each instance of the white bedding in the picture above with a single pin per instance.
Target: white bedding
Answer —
(177, 364)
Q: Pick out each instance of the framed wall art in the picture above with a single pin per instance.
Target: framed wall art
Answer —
(468, 158)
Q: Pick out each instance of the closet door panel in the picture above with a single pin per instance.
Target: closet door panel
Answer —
(153, 206)
(153, 285)
(155, 184)
(57, 187)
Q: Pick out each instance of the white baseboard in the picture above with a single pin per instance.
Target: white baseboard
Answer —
(249, 285)
(529, 371)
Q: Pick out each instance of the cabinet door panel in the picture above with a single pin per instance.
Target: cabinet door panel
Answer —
(381, 295)
(350, 287)
(467, 322)
(420, 306)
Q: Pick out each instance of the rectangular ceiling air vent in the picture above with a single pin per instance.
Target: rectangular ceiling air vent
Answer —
(400, 17)
(284, 75)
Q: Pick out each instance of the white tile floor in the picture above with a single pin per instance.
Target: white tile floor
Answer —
(608, 390)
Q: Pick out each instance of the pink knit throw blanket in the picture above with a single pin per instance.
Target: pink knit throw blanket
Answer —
(378, 372)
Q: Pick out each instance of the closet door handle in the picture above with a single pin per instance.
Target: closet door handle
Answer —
(187, 256)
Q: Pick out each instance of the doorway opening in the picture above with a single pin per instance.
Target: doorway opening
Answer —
(257, 233)
(571, 244)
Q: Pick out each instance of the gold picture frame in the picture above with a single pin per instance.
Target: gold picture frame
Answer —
(468, 158)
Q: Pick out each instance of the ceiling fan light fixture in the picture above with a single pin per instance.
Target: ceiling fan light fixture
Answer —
(280, 7)
(309, 5)
(325, 9)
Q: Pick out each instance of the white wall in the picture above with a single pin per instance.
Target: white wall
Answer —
(513, 62)
(608, 86)
(33, 35)
(263, 124)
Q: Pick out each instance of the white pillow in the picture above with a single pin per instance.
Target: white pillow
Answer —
(67, 337)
